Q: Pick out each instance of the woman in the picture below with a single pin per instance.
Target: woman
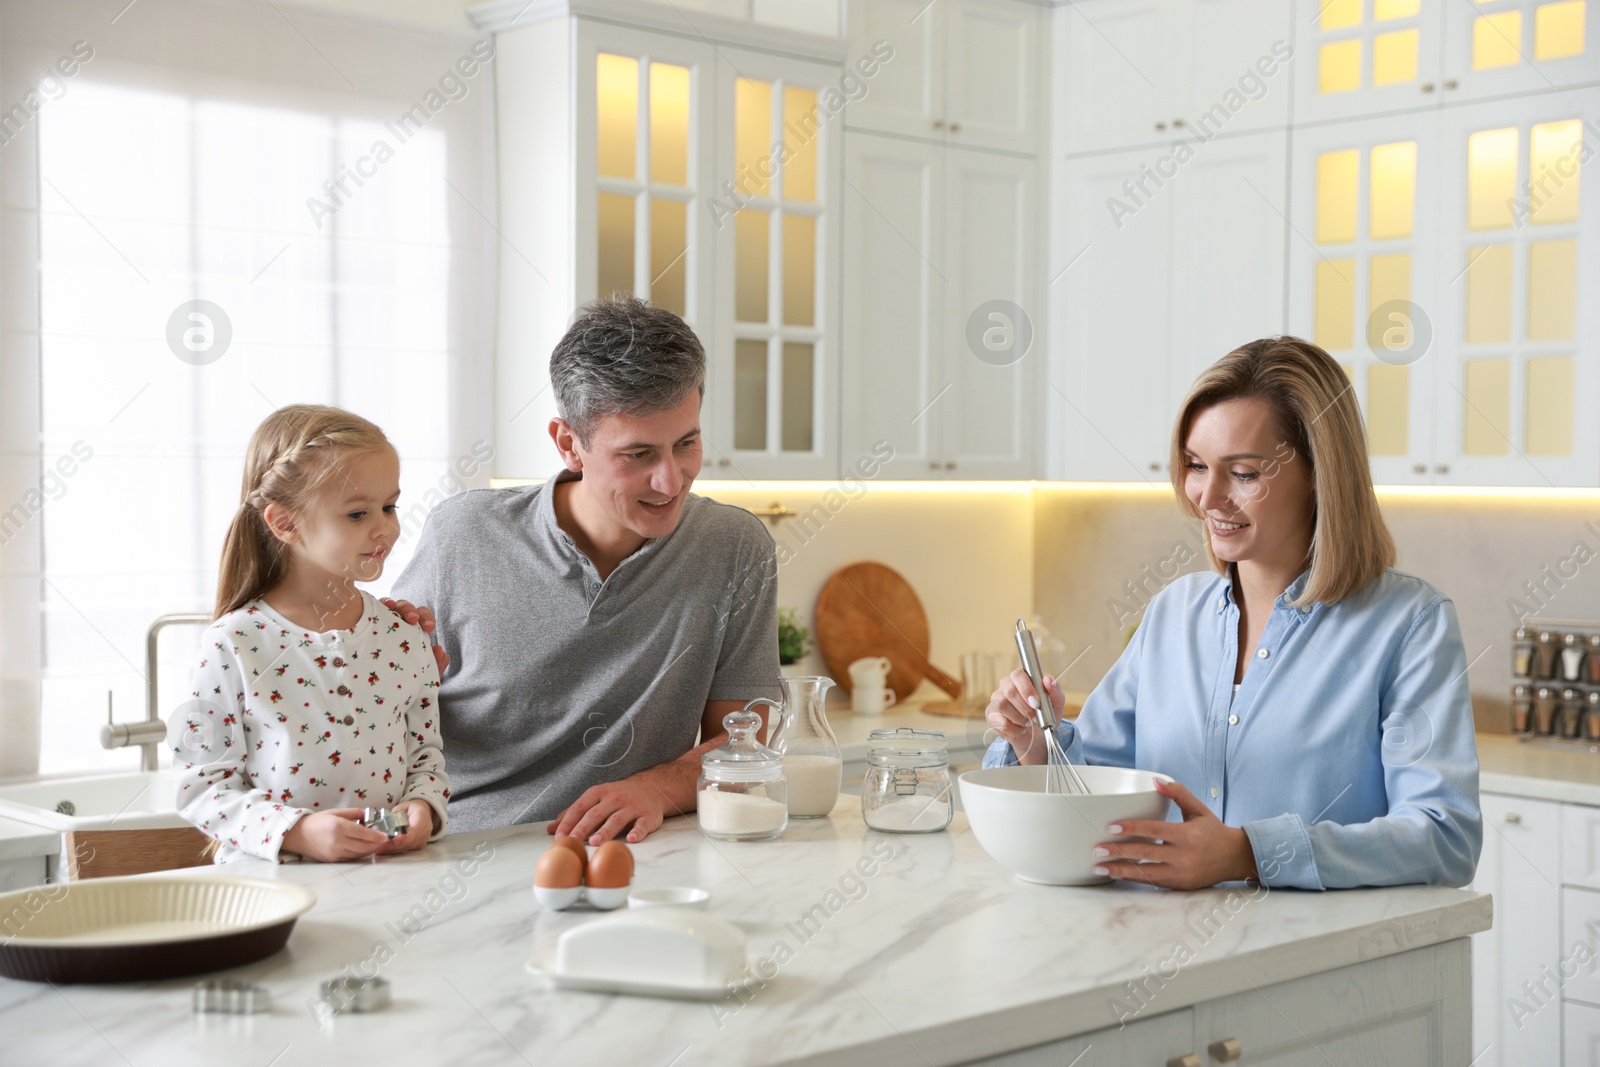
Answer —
(1312, 700)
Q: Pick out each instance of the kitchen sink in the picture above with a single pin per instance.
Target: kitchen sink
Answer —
(139, 801)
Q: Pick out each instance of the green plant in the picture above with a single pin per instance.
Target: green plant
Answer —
(793, 637)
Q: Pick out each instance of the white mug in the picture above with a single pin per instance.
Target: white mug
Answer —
(869, 671)
(872, 700)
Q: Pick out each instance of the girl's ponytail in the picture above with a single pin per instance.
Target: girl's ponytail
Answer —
(289, 458)
(252, 561)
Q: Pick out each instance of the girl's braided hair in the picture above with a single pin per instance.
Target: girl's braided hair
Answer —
(292, 455)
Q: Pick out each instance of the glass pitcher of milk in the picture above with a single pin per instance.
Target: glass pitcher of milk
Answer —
(811, 758)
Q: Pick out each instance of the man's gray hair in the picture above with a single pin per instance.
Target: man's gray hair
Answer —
(622, 356)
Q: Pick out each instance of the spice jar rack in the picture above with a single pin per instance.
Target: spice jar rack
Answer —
(1555, 683)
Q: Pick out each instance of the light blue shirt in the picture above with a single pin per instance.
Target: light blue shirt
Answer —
(1347, 756)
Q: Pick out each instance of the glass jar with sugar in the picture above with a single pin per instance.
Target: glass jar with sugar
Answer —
(906, 789)
(742, 794)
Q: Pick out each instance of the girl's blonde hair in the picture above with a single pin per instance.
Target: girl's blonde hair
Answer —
(1318, 418)
(291, 456)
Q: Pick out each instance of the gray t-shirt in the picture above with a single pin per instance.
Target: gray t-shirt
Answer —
(558, 681)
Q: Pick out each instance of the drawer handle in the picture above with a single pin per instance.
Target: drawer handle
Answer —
(1513, 818)
(1188, 1059)
(1227, 1050)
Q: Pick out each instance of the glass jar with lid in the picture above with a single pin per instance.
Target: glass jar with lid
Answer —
(906, 789)
(742, 794)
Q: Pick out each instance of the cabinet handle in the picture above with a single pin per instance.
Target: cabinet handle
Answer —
(1419, 468)
(1176, 123)
(938, 124)
(724, 462)
(1188, 1059)
(1450, 83)
(1513, 818)
(1155, 466)
(934, 465)
(949, 466)
(1441, 468)
(1426, 87)
(1161, 125)
(955, 127)
(1227, 1050)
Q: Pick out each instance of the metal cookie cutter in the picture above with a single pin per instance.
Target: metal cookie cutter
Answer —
(393, 822)
(231, 996)
(356, 994)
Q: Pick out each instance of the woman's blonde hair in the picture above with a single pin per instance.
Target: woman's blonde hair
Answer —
(1318, 418)
(291, 456)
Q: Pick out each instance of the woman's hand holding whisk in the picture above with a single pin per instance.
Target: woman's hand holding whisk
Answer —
(1012, 715)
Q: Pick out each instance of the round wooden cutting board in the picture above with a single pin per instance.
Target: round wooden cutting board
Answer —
(868, 609)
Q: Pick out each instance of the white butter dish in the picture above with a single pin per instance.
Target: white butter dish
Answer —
(654, 951)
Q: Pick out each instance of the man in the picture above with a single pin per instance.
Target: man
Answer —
(601, 619)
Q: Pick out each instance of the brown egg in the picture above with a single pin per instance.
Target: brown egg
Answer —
(573, 845)
(612, 866)
(558, 869)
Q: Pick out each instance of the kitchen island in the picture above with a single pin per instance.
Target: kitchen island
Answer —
(865, 948)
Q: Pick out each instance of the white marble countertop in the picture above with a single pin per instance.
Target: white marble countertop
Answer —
(1543, 772)
(939, 956)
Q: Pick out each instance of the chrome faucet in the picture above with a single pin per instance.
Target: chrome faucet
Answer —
(153, 730)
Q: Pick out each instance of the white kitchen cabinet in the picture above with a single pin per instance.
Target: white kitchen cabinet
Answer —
(1517, 345)
(1503, 47)
(1156, 1040)
(894, 357)
(1165, 261)
(1576, 968)
(931, 234)
(772, 369)
(1368, 57)
(1580, 846)
(1227, 260)
(991, 305)
(621, 169)
(968, 73)
(1364, 261)
(1398, 1009)
(1521, 867)
(1580, 1036)
(1455, 312)
(1108, 287)
(1143, 71)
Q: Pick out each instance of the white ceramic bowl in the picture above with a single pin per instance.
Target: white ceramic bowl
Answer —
(1049, 838)
(673, 896)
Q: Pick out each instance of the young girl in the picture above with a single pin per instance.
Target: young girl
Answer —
(312, 700)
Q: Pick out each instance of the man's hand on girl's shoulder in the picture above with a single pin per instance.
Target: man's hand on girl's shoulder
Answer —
(423, 617)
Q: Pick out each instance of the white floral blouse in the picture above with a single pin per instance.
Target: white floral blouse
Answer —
(285, 722)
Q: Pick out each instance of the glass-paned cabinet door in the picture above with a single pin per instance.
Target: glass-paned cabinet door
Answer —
(1520, 390)
(643, 172)
(1361, 275)
(1495, 47)
(772, 381)
(1366, 57)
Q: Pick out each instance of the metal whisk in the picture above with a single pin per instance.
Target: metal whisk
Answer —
(1060, 775)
